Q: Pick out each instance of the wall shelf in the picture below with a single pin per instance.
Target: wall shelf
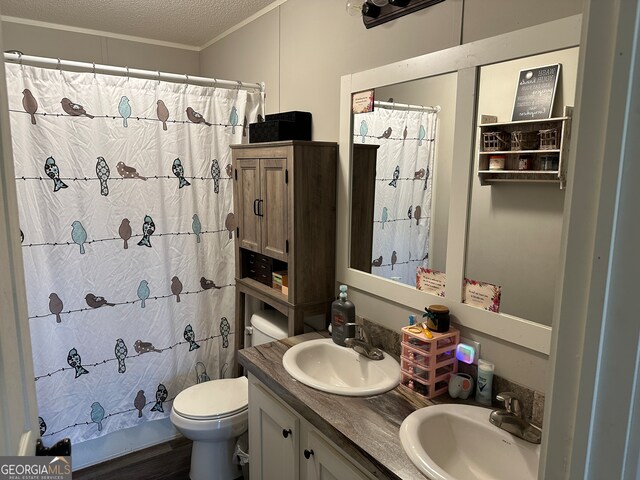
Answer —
(503, 133)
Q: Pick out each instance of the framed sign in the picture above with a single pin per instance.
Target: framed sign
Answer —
(482, 295)
(535, 93)
(431, 281)
(362, 102)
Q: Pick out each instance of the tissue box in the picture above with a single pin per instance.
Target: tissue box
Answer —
(281, 281)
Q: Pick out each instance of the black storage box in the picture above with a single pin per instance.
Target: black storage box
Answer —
(260, 267)
(281, 126)
(303, 119)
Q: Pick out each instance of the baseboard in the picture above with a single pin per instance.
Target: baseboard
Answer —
(147, 463)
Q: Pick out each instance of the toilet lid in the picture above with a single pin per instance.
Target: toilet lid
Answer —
(213, 399)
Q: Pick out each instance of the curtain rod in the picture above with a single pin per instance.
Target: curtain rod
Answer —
(405, 106)
(18, 57)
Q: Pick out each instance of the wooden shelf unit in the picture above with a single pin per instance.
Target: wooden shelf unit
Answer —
(285, 202)
(511, 172)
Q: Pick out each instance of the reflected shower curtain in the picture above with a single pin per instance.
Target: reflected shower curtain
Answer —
(403, 189)
(125, 196)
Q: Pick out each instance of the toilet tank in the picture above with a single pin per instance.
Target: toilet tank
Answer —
(268, 325)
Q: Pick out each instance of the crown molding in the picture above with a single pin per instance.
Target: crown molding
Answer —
(89, 31)
(245, 22)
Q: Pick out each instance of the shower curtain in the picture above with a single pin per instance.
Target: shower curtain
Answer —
(126, 214)
(403, 188)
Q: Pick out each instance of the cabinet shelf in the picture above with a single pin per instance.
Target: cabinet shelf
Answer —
(269, 292)
(521, 172)
(528, 122)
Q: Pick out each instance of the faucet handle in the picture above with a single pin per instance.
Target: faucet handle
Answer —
(512, 403)
(361, 332)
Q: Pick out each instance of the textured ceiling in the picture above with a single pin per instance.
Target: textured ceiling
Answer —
(187, 22)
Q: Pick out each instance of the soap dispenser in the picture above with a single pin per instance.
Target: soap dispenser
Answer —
(343, 312)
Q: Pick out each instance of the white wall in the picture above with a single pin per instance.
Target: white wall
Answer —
(301, 50)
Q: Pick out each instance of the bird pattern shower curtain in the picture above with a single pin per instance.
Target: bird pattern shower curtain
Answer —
(403, 188)
(127, 230)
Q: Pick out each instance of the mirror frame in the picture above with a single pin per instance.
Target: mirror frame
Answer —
(466, 60)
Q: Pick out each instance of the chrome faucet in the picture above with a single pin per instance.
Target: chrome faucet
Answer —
(511, 419)
(362, 342)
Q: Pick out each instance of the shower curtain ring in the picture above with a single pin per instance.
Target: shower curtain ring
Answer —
(240, 85)
(94, 69)
(186, 79)
(128, 77)
(158, 77)
(215, 84)
(59, 66)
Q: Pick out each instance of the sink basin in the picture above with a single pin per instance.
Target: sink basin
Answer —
(325, 366)
(457, 442)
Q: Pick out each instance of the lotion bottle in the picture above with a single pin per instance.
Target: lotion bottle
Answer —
(343, 312)
(485, 382)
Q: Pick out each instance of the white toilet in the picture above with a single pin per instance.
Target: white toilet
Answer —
(214, 414)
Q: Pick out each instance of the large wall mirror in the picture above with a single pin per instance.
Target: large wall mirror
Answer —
(419, 150)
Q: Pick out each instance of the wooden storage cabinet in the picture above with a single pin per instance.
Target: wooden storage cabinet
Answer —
(285, 203)
(283, 445)
(497, 138)
(262, 206)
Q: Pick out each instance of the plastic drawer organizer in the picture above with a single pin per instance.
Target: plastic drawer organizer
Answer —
(427, 363)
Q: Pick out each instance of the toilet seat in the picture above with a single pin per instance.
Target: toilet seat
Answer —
(213, 400)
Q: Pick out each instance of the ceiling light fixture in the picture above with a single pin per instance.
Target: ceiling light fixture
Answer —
(377, 12)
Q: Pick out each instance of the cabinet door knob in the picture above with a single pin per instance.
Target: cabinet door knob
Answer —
(308, 453)
(286, 432)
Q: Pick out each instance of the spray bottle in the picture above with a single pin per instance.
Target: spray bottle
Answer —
(343, 312)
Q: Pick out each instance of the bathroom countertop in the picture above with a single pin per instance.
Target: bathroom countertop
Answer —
(366, 428)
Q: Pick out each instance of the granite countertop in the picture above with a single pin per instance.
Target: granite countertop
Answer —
(366, 428)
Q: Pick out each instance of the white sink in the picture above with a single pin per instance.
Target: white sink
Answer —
(325, 366)
(457, 442)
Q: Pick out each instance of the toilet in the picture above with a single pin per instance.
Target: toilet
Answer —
(214, 414)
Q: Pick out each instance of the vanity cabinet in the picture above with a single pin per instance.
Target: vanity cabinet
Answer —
(543, 142)
(274, 437)
(285, 202)
(283, 445)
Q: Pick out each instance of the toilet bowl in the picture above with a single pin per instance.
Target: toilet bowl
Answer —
(214, 414)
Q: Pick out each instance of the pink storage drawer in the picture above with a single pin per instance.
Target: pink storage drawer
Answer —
(440, 372)
(424, 388)
(419, 357)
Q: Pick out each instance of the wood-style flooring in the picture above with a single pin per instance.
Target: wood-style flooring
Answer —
(166, 461)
